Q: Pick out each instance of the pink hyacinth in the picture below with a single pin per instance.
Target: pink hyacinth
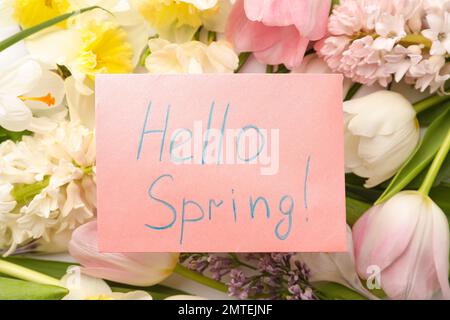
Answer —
(277, 31)
(378, 41)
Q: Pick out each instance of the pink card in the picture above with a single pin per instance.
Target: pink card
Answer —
(220, 163)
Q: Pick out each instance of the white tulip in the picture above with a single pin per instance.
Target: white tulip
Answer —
(381, 132)
(335, 267)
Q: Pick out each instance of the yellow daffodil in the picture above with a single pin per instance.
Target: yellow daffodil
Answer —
(104, 49)
(28, 13)
(191, 57)
(178, 20)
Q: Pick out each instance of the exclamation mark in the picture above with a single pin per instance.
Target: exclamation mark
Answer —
(305, 187)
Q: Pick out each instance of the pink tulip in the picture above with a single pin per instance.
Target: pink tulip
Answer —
(407, 240)
(277, 31)
(140, 269)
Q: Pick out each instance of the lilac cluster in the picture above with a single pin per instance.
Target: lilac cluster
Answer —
(255, 275)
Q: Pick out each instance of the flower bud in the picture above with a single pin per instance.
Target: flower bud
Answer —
(140, 269)
(407, 240)
(381, 132)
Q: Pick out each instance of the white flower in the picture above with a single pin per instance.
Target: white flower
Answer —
(429, 72)
(26, 87)
(335, 267)
(401, 59)
(96, 41)
(47, 186)
(190, 57)
(438, 33)
(84, 287)
(81, 107)
(179, 20)
(381, 132)
(391, 29)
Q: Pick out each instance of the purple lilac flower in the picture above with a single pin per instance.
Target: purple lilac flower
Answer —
(255, 275)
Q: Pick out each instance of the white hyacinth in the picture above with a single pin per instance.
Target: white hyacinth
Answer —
(47, 186)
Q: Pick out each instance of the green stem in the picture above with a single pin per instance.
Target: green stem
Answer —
(19, 272)
(429, 102)
(198, 277)
(436, 165)
(235, 257)
(243, 57)
(352, 91)
(269, 68)
(144, 54)
(8, 42)
(196, 36)
(212, 36)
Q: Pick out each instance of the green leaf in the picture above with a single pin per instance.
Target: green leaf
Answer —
(441, 195)
(421, 157)
(11, 135)
(55, 269)
(41, 26)
(58, 269)
(352, 91)
(354, 186)
(243, 57)
(426, 118)
(63, 71)
(13, 289)
(355, 209)
(335, 291)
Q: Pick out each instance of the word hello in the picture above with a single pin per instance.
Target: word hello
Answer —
(214, 146)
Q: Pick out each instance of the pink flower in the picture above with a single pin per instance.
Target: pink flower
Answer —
(140, 269)
(277, 31)
(407, 240)
(376, 41)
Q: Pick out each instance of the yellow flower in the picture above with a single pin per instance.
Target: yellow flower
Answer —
(178, 20)
(104, 49)
(163, 14)
(29, 13)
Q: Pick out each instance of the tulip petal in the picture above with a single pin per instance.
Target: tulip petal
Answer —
(271, 12)
(412, 275)
(370, 113)
(335, 267)
(132, 268)
(119, 276)
(383, 236)
(288, 50)
(246, 35)
(441, 249)
(309, 16)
